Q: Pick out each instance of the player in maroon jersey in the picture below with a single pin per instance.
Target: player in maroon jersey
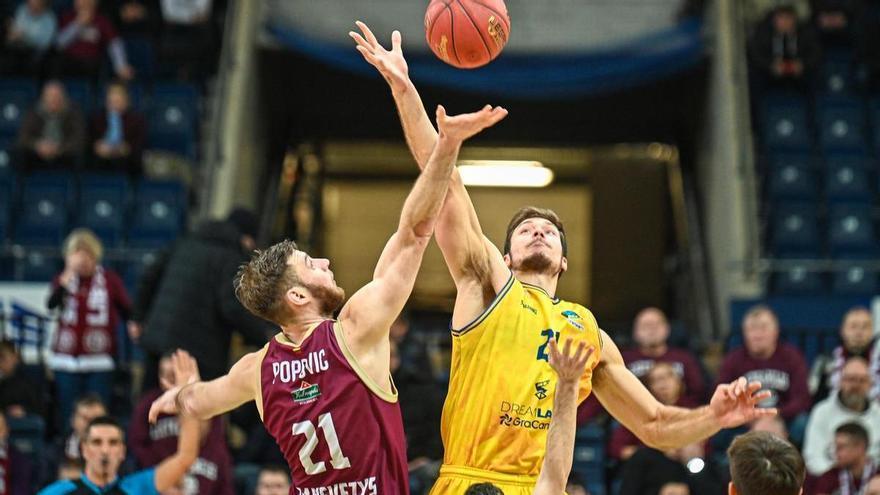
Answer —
(323, 386)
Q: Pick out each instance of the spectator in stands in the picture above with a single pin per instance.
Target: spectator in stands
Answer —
(118, 133)
(103, 449)
(420, 405)
(667, 386)
(867, 36)
(19, 395)
(651, 334)
(857, 337)
(92, 300)
(755, 11)
(873, 487)
(273, 480)
(151, 443)
(783, 51)
(84, 36)
(66, 448)
(850, 404)
(70, 469)
(28, 39)
(833, 18)
(780, 368)
(187, 42)
(186, 299)
(649, 470)
(853, 468)
(53, 133)
(15, 468)
(134, 17)
(675, 489)
(770, 424)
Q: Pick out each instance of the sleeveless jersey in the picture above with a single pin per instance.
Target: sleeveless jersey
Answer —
(339, 432)
(501, 387)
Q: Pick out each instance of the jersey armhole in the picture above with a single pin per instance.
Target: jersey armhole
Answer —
(362, 375)
(486, 312)
(258, 400)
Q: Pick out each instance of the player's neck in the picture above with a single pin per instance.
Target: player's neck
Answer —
(543, 280)
(297, 330)
(857, 469)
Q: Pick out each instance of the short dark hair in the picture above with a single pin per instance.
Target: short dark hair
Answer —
(276, 469)
(483, 489)
(527, 212)
(763, 464)
(856, 431)
(104, 421)
(7, 346)
(260, 284)
(89, 400)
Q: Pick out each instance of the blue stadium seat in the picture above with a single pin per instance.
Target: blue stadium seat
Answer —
(16, 98)
(797, 280)
(794, 229)
(43, 215)
(142, 57)
(5, 209)
(854, 278)
(80, 92)
(851, 229)
(836, 77)
(38, 266)
(784, 123)
(173, 119)
(842, 126)
(791, 181)
(847, 182)
(158, 214)
(7, 160)
(102, 206)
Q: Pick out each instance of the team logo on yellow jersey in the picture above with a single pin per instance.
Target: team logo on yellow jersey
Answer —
(572, 318)
(541, 389)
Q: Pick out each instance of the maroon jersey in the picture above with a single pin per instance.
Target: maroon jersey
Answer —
(338, 431)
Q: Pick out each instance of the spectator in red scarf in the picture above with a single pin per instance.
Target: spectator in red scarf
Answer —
(854, 468)
(91, 299)
(211, 474)
(857, 337)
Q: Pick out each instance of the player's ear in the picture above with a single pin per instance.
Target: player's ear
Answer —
(731, 490)
(563, 265)
(297, 296)
(507, 260)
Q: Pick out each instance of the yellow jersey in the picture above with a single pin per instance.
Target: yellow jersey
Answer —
(501, 386)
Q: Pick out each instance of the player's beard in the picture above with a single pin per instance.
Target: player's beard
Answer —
(536, 263)
(331, 298)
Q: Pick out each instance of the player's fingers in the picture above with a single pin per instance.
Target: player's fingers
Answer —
(554, 350)
(766, 412)
(396, 40)
(359, 40)
(368, 55)
(441, 113)
(367, 33)
(566, 348)
(758, 397)
(579, 351)
(498, 114)
(586, 358)
(154, 413)
(754, 387)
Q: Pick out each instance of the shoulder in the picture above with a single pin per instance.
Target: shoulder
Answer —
(58, 488)
(140, 482)
(790, 351)
(829, 479)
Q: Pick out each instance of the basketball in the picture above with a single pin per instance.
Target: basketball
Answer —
(467, 33)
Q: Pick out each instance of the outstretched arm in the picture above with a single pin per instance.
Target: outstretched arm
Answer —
(667, 427)
(204, 400)
(371, 310)
(171, 470)
(470, 256)
(560, 439)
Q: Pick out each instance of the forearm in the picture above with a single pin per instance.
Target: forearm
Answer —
(424, 202)
(675, 427)
(417, 128)
(560, 441)
(68, 34)
(172, 469)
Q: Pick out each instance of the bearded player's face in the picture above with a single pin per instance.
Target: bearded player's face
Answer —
(536, 246)
(315, 275)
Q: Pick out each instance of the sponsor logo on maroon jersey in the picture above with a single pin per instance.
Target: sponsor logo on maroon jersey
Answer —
(306, 393)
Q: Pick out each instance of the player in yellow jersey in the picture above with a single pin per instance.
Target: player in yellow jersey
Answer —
(501, 391)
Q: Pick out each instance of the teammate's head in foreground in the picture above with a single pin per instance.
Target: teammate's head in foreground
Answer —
(535, 242)
(483, 489)
(764, 464)
(282, 283)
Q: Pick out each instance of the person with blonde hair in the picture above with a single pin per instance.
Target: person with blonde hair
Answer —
(91, 299)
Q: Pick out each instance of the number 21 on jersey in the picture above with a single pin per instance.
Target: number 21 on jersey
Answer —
(307, 428)
(542, 349)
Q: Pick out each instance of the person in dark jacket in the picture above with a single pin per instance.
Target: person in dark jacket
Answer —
(186, 299)
(783, 52)
(53, 133)
(19, 395)
(118, 133)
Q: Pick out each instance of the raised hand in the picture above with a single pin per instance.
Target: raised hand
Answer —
(461, 127)
(568, 366)
(736, 403)
(390, 63)
(186, 372)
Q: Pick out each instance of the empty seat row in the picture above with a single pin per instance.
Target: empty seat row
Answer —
(796, 230)
(839, 125)
(147, 215)
(843, 179)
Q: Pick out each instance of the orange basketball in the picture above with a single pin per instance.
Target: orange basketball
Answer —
(467, 33)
